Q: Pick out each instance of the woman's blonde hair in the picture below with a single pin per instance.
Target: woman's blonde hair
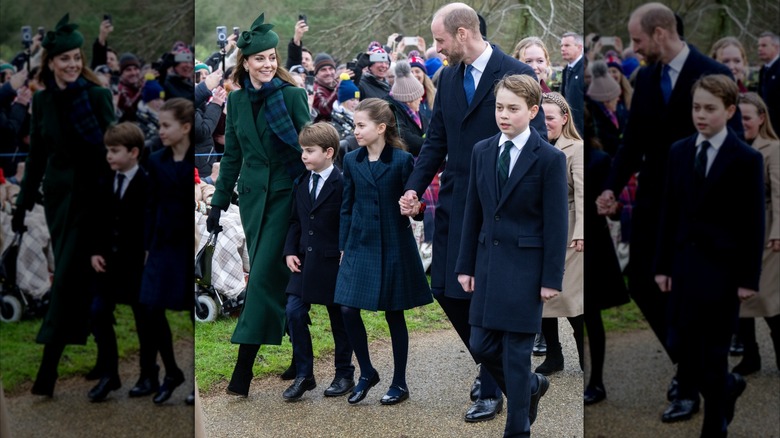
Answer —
(430, 90)
(568, 130)
(765, 130)
(527, 42)
(240, 73)
(626, 89)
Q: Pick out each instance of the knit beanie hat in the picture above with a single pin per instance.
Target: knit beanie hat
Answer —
(373, 45)
(321, 60)
(432, 66)
(201, 66)
(152, 90)
(406, 87)
(416, 61)
(347, 89)
(64, 37)
(629, 65)
(127, 60)
(4, 67)
(602, 87)
(616, 65)
(258, 38)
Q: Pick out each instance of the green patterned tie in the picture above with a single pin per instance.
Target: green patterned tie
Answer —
(503, 166)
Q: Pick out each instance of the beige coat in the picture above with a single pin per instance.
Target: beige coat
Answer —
(569, 302)
(768, 301)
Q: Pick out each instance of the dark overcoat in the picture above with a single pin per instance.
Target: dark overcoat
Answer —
(769, 89)
(573, 89)
(708, 247)
(119, 237)
(168, 276)
(454, 130)
(313, 237)
(381, 268)
(70, 169)
(265, 196)
(514, 244)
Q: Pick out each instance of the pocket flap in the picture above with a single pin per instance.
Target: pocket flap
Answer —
(530, 241)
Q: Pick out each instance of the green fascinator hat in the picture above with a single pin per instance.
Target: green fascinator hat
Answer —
(64, 37)
(258, 38)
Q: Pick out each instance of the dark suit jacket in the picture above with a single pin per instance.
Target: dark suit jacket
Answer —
(573, 89)
(516, 244)
(651, 129)
(119, 237)
(769, 89)
(709, 245)
(313, 237)
(454, 130)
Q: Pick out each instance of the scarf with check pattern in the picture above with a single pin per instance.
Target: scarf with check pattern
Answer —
(81, 115)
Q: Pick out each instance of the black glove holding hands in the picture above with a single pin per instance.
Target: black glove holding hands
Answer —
(17, 221)
(212, 222)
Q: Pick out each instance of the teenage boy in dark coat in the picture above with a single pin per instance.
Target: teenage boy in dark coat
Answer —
(312, 255)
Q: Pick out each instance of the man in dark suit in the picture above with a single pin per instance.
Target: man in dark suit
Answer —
(517, 182)
(573, 83)
(464, 113)
(118, 260)
(709, 253)
(769, 79)
(660, 115)
(311, 252)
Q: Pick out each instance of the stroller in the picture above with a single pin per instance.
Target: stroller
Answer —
(14, 303)
(209, 302)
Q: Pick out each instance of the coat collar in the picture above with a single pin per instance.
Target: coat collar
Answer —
(565, 142)
(762, 142)
(489, 77)
(386, 156)
(525, 161)
(327, 188)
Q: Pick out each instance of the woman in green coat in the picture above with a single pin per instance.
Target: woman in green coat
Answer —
(68, 120)
(261, 153)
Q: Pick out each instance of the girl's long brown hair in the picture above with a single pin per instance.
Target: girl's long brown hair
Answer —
(45, 74)
(379, 111)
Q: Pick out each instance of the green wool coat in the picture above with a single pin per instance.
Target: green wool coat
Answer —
(69, 168)
(265, 196)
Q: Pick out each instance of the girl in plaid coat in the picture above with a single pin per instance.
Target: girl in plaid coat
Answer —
(380, 267)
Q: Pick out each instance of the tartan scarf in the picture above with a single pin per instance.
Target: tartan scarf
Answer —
(278, 118)
(412, 114)
(81, 115)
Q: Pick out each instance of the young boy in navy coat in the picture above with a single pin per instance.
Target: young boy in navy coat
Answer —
(312, 255)
(118, 259)
(513, 246)
(709, 248)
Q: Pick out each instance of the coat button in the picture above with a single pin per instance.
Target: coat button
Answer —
(498, 217)
(495, 242)
(311, 232)
(308, 249)
(311, 216)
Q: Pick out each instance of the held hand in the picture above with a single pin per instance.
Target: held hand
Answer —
(421, 46)
(17, 221)
(391, 39)
(664, 283)
(212, 223)
(745, 294)
(774, 244)
(408, 203)
(548, 294)
(105, 29)
(18, 78)
(578, 245)
(213, 78)
(23, 96)
(231, 42)
(293, 263)
(98, 263)
(466, 282)
(219, 96)
(605, 203)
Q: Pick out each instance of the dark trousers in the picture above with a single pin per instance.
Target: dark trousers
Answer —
(102, 315)
(160, 340)
(507, 356)
(458, 313)
(298, 322)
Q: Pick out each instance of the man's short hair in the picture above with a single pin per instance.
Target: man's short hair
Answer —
(125, 134)
(720, 86)
(524, 86)
(320, 134)
(577, 37)
(460, 16)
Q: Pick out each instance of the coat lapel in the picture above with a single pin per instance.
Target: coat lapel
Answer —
(245, 118)
(489, 77)
(524, 162)
(722, 160)
(327, 188)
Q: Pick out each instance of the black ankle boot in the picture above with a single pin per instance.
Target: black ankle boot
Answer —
(553, 362)
(242, 373)
(47, 372)
(751, 360)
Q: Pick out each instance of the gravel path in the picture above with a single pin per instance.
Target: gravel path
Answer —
(440, 373)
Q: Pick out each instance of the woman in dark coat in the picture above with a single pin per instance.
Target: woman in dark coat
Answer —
(67, 153)
(261, 144)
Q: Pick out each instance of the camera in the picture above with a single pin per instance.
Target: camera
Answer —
(221, 36)
(352, 65)
(41, 31)
(236, 30)
(26, 36)
(608, 41)
(410, 41)
(302, 17)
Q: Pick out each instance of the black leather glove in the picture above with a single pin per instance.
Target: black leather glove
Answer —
(212, 222)
(17, 221)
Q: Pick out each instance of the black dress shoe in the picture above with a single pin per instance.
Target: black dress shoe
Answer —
(673, 391)
(553, 361)
(44, 385)
(593, 395)
(388, 399)
(533, 409)
(106, 384)
(751, 361)
(298, 387)
(484, 409)
(540, 345)
(93, 374)
(735, 390)
(190, 400)
(475, 388)
(170, 383)
(360, 391)
(339, 386)
(737, 348)
(680, 410)
(145, 386)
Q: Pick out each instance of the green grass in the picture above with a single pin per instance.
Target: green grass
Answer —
(20, 355)
(215, 356)
(624, 318)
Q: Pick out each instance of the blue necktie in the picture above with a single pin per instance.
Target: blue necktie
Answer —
(503, 166)
(468, 84)
(666, 84)
(315, 179)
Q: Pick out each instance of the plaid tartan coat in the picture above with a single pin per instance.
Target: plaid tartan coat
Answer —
(69, 169)
(381, 269)
(265, 194)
